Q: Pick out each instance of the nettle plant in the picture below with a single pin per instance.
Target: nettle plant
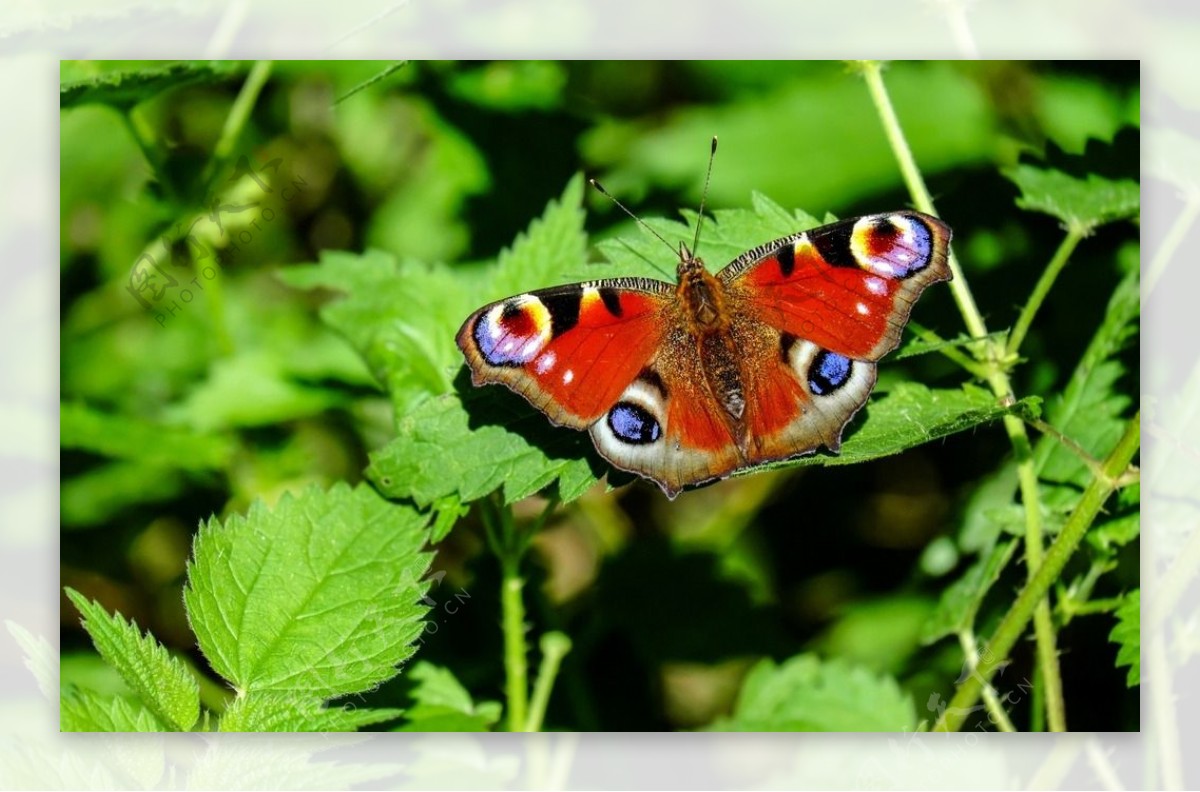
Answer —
(301, 607)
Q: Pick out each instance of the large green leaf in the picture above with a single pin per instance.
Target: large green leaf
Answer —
(252, 389)
(319, 595)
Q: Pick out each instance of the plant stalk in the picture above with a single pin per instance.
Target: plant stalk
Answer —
(555, 646)
(1074, 235)
(515, 650)
(239, 114)
(992, 354)
(995, 707)
(1014, 623)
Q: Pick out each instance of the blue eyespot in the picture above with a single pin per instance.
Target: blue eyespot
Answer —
(633, 424)
(829, 372)
(902, 250)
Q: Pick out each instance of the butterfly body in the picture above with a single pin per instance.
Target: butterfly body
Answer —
(765, 360)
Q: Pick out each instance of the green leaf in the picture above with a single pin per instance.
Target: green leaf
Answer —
(1091, 411)
(909, 415)
(403, 318)
(1098, 187)
(511, 85)
(839, 156)
(879, 634)
(84, 711)
(979, 531)
(296, 711)
(960, 600)
(807, 694)
(411, 352)
(469, 447)
(149, 443)
(251, 389)
(442, 704)
(126, 89)
(1116, 532)
(448, 511)
(1128, 633)
(319, 595)
(420, 168)
(98, 495)
(162, 682)
(728, 234)
(554, 244)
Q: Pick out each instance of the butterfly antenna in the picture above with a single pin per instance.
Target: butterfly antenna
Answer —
(712, 154)
(637, 219)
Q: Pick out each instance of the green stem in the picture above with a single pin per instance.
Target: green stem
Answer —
(946, 348)
(1014, 623)
(1037, 705)
(991, 354)
(1097, 606)
(873, 75)
(509, 544)
(1076, 601)
(1074, 235)
(555, 646)
(995, 707)
(215, 291)
(144, 138)
(239, 114)
(516, 671)
(383, 75)
(1043, 618)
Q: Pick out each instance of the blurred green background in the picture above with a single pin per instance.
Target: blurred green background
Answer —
(242, 392)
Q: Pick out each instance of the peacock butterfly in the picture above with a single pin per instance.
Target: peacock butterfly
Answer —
(767, 359)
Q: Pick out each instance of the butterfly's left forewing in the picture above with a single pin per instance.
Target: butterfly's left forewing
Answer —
(571, 351)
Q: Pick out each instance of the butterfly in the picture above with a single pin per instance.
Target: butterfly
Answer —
(687, 383)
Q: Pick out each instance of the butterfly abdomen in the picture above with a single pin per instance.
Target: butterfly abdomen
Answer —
(707, 317)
